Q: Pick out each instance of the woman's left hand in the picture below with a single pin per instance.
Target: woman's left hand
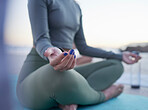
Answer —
(130, 58)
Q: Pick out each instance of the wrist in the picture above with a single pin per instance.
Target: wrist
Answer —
(52, 50)
(47, 52)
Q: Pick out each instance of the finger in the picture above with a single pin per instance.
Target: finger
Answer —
(71, 51)
(130, 62)
(133, 55)
(63, 63)
(67, 67)
(70, 61)
(140, 57)
(69, 64)
(137, 58)
(58, 59)
(74, 62)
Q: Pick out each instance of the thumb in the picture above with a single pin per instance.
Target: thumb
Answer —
(133, 55)
(48, 52)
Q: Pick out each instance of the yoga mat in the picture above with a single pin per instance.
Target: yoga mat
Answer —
(123, 102)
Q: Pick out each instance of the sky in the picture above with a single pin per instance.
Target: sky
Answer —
(106, 23)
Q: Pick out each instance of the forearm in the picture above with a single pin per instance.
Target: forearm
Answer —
(38, 15)
(41, 46)
(96, 52)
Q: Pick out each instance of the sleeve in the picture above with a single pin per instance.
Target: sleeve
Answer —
(38, 15)
(86, 50)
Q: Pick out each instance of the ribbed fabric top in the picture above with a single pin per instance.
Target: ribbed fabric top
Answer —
(58, 23)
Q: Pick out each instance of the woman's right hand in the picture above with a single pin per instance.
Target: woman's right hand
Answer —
(61, 60)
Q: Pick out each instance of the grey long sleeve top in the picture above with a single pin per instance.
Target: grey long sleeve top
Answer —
(58, 23)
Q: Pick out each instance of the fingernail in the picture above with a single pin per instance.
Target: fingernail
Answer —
(74, 56)
(65, 54)
(71, 51)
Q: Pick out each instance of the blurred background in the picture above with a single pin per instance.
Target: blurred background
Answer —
(108, 23)
(117, 25)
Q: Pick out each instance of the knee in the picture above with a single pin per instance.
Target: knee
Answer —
(68, 80)
(68, 88)
(118, 66)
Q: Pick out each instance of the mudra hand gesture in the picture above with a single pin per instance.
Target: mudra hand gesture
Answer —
(130, 58)
(61, 60)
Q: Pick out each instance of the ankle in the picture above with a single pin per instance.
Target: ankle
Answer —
(106, 95)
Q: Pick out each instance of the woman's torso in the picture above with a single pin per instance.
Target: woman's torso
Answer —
(63, 22)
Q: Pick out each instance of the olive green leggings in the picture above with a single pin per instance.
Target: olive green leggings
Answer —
(40, 87)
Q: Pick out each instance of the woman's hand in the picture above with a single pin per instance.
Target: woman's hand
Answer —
(130, 58)
(61, 60)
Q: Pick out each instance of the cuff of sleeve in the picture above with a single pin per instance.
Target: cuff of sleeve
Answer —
(119, 57)
(102, 97)
(41, 46)
(112, 55)
(43, 51)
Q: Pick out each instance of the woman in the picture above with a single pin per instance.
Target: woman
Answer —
(48, 78)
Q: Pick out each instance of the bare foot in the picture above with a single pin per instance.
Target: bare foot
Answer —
(113, 91)
(68, 107)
